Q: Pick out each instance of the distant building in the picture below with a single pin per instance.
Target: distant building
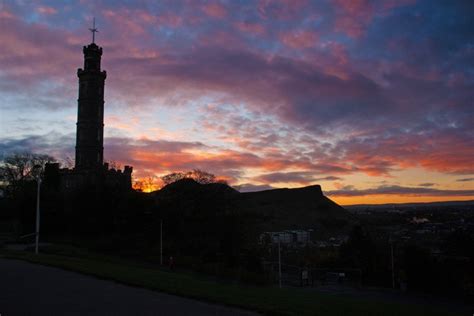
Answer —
(288, 237)
(90, 170)
(419, 220)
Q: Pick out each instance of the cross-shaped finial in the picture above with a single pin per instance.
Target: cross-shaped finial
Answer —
(93, 30)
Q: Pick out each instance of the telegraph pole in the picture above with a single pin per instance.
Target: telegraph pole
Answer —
(161, 242)
(38, 180)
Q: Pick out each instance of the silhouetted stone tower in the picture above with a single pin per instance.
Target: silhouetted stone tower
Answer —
(90, 114)
(90, 171)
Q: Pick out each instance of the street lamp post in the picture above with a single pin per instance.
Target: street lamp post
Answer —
(38, 180)
(279, 262)
(393, 265)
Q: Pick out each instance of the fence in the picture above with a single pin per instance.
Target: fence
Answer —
(310, 276)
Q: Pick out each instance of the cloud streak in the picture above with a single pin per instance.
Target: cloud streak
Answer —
(399, 190)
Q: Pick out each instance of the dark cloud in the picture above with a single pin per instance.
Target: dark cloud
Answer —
(465, 180)
(427, 184)
(399, 190)
(301, 177)
(328, 178)
(53, 144)
(249, 187)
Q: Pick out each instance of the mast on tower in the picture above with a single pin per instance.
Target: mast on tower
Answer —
(93, 30)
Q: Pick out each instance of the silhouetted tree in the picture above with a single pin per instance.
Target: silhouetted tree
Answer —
(68, 162)
(147, 184)
(18, 172)
(202, 177)
(18, 168)
(197, 175)
(172, 177)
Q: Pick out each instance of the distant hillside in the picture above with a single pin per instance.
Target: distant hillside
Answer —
(305, 207)
(276, 209)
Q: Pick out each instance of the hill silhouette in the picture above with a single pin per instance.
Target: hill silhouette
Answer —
(296, 208)
(277, 209)
(189, 187)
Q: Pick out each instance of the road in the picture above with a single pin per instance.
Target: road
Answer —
(30, 289)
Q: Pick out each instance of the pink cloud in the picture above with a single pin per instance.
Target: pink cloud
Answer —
(32, 52)
(280, 9)
(353, 16)
(46, 10)
(145, 16)
(5, 14)
(388, 5)
(126, 23)
(253, 28)
(441, 151)
(299, 38)
(170, 19)
(215, 10)
(158, 157)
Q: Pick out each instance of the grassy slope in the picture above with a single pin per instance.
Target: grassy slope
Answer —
(269, 300)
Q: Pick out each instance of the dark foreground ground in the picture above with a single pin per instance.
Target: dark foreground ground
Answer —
(30, 289)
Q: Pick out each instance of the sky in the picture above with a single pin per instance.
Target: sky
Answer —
(373, 100)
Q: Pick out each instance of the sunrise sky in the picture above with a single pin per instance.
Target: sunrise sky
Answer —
(371, 99)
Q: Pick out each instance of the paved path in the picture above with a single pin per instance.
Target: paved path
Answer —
(30, 289)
